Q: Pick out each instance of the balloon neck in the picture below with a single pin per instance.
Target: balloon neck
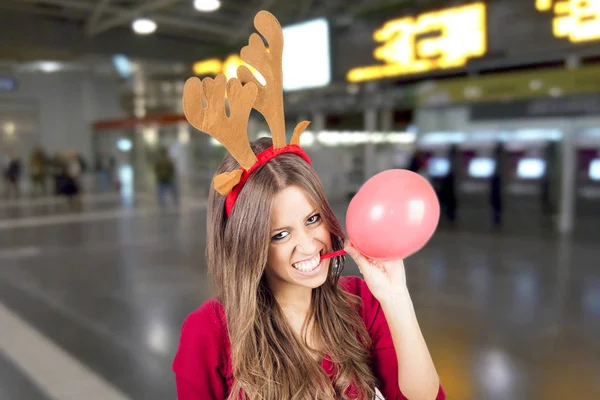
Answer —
(333, 254)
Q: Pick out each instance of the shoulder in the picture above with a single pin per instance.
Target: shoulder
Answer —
(207, 324)
(209, 317)
(369, 307)
(203, 340)
(351, 284)
(357, 286)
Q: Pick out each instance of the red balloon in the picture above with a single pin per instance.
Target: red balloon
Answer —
(393, 215)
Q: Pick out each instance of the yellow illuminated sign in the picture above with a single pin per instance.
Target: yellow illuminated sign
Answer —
(435, 40)
(208, 67)
(229, 67)
(576, 20)
(543, 5)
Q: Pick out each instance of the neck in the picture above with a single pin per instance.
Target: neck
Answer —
(294, 299)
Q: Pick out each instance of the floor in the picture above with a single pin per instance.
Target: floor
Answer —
(91, 303)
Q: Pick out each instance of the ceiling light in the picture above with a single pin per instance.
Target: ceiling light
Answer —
(143, 26)
(207, 5)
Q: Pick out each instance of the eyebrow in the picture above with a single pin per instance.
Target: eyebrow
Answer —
(289, 228)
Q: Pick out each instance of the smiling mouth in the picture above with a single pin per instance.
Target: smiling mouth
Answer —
(309, 264)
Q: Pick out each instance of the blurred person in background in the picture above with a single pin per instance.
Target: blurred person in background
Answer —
(12, 175)
(417, 162)
(164, 171)
(58, 172)
(82, 162)
(105, 167)
(71, 183)
(447, 189)
(37, 171)
(4, 161)
(496, 187)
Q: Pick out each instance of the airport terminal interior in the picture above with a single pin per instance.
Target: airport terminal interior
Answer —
(105, 182)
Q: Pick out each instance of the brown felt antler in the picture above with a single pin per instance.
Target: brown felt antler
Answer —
(269, 63)
(298, 131)
(232, 131)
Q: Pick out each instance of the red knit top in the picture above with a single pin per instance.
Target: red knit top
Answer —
(202, 365)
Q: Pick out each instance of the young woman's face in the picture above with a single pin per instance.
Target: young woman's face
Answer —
(298, 237)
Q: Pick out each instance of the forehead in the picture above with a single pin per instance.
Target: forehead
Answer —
(291, 204)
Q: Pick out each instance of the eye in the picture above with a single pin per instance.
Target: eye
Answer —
(281, 235)
(314, 219)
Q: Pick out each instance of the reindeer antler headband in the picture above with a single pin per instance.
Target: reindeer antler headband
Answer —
(231, 131)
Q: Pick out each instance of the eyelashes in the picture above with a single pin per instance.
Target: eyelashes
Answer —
(280, 236)
(312, 220)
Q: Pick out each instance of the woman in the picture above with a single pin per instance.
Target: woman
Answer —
(284, 325)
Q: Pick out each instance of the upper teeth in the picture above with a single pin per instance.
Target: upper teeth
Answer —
(308, 265)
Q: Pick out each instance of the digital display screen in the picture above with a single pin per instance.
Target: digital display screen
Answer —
(438, 167)
(482, 167)
(306, 58)
(531, 168)
(594, 170)
(427, 42)
(306, 55)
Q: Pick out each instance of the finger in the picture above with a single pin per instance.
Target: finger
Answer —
(362, 263)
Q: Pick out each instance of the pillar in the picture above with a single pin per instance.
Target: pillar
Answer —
(567, 195)
(317, 123)
(140, 156)
(370, 118)
(386, 119)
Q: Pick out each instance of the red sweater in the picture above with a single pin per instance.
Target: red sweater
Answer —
(203, 368)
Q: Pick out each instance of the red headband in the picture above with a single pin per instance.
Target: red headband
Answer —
(263, 157)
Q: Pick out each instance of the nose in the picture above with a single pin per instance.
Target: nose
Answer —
(307, 244)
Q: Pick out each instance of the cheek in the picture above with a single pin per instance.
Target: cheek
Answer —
(324, 235)
(279, 256)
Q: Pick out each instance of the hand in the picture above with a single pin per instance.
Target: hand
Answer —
(385, 279)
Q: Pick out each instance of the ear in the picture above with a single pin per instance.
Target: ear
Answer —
(298, 130)
(226, 181)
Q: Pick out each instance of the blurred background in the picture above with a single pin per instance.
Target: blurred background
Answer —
(104, 183)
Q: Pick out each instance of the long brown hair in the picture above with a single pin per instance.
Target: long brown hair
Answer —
(270, 362)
